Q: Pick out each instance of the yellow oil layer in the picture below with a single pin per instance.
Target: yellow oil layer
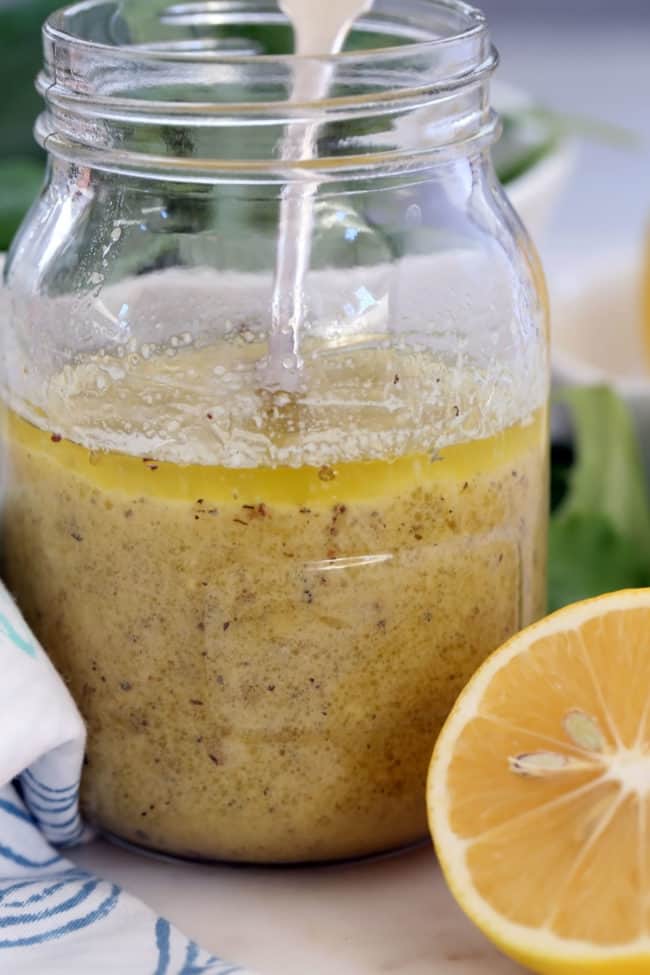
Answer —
(351, 481)
(264, 657)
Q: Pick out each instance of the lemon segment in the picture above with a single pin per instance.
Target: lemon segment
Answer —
(539, 792)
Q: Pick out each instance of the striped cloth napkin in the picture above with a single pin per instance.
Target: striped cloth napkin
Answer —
(56, 919)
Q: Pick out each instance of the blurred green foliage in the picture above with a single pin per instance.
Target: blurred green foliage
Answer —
(599, 538)
(20, 61)
(20, 181)
(21, 161)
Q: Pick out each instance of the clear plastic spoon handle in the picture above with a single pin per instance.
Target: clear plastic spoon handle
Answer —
(322, 27)
(320, 30)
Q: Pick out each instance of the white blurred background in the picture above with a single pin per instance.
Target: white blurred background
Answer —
(589, 58)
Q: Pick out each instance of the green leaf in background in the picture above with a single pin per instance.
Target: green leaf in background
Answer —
(20, 182)
(21, 55)
(21, 160)
(532, 132)
(600, 534)
(608, 478)
(588, 557)
(525, 141)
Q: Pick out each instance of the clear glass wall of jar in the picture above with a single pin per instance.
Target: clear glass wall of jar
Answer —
(266, 581)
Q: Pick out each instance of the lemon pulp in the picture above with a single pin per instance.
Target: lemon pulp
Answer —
(539, 791)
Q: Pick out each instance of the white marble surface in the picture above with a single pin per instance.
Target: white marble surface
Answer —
(392, 916)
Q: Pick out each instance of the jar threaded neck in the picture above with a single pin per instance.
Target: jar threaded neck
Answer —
(182, 97)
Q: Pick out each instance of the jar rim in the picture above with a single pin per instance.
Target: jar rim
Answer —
(101, 97)
(54, 30)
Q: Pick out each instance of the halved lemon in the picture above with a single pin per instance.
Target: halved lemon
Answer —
(539, 791)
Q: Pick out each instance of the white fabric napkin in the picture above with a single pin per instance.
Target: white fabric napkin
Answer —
(56, 919)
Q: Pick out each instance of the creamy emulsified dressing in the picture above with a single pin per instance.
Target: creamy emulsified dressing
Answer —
(263, 642)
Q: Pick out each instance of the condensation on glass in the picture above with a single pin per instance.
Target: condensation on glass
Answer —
(265, 581)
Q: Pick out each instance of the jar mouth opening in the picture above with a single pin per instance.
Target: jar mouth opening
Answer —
(203, 86)
(203, 31)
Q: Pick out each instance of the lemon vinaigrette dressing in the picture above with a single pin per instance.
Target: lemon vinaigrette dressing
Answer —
(276, 376)
(246, 621)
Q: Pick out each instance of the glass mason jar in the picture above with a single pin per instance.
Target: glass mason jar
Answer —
(275, 400)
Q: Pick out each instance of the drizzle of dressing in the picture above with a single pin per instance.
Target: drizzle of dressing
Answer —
(320, 30)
